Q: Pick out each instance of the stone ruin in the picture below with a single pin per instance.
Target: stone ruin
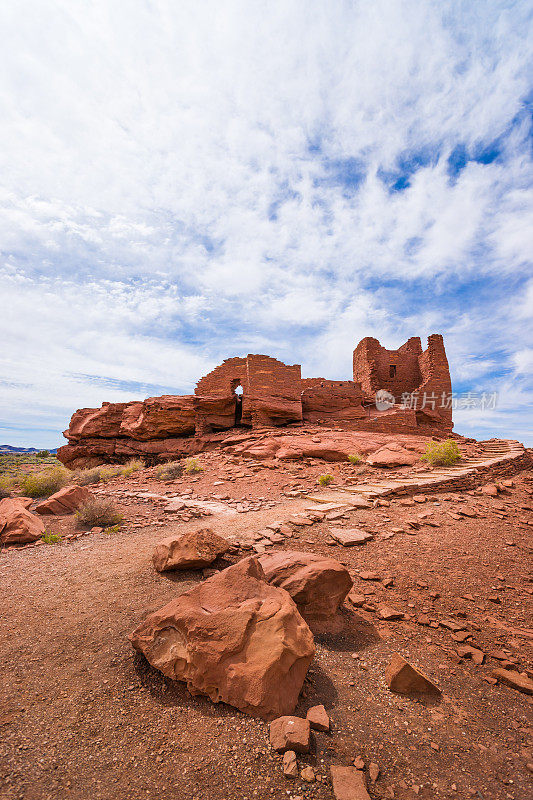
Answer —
(258, 391)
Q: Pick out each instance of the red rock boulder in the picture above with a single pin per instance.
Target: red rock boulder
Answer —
(191, 550)
(17, 524)
(392, 455)
(234, 638)
(101, 422)
(159, 418)
(65, 501)
(318, 585)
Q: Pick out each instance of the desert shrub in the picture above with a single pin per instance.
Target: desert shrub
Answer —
(106, 473)
(112, 529)
(43, 454)
(442, 453)
(43, 484)
(50, 538)
(169, 471)
(192, 466)
(6, 485)
(132, 465)
(325, 480)
(98, 512)
(85, 477)
(354, 459)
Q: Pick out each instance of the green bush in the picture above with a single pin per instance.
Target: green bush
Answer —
(192, 466)
(354, 459)
(112, 529)
(442, 453)
(50, 538)
(170, 471)
(43, 454)
(46, 483)
(325, 480)
(98, 512)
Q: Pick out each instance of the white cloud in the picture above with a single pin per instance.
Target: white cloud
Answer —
(177, 186)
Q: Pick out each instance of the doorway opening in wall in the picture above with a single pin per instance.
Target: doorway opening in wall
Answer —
(392, 371)
(238, 393)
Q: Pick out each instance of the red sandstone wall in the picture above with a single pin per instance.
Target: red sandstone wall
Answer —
(275, 391)
(424, 373)
(372, 363)
(271, 389)
(436, 382)
(324, 400)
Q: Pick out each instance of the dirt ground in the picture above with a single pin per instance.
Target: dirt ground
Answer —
(83, 716)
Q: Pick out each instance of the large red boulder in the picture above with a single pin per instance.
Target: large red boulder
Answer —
(65, 501)
(17, 524)
(318, 585)
(102, 422)
(392, 455)
(159, 417)
(190, 550)
(234, 638)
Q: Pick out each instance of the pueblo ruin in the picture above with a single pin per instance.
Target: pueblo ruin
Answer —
(258, 391)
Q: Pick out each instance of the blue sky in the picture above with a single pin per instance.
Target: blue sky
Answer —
(184, 182)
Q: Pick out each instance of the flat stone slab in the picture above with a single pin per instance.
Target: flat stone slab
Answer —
(349, 537)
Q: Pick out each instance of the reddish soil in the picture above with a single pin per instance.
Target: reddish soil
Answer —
(83, 716)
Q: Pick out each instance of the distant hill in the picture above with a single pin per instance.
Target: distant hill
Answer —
(8, 448)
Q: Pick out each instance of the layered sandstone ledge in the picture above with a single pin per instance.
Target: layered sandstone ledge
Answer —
(261, 392)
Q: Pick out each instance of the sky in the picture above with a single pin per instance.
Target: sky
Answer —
(185, 182)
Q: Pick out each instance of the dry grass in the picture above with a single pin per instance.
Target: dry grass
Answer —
(170, 471)
(133, 465)
(355, 458)
(192, 466)
(97, 512)
(43, 484)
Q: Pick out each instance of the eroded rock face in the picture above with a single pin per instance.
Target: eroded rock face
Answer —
(101, 422)
(318, 585)
(65, 501)
(17, 524)
(234, 638)
(159, 418)
(191, 550)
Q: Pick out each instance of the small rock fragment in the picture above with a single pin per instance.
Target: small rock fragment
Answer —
(348, 783)
(290, 733)
(514, 679)
(318, 718)
(290, 764)
(388, 613)
(308, 774)
(403, 678)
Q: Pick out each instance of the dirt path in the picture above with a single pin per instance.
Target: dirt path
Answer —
(82, 716)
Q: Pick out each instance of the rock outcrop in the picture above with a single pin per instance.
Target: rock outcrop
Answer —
(259, 391)
(191, 550)
(17, 524)
(318, 585)
(65, 501)
(234, 638)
